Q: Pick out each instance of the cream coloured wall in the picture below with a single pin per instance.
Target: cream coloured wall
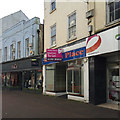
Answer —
(100, 16)
(60, 18)
(99, 20)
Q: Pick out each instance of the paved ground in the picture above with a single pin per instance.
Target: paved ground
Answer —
(17, 104)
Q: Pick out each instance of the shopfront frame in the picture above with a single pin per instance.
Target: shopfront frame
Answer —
(23, 66)
(70, 96)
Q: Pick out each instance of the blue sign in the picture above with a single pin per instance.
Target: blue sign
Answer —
(69, 55)
(74, 54)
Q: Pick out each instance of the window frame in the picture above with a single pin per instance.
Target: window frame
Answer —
(53, 2)
(12, 52)
(27, 50)
(108, 22)
(72, 26)
(52, 36)
(19, 49)
(5, 53)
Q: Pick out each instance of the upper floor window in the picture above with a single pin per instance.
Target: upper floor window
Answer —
(53, 5)
(53, 35)
(12, 51)
(27, 46)
(5, 53)
(113, 7)
(72, 26)
(0, 55)
(19, 49)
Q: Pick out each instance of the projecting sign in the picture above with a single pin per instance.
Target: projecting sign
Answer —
(54, 54)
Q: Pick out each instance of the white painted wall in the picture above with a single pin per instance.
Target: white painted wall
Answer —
(19, 32)
(12, 19)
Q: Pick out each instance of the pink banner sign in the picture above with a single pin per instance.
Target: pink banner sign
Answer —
(54, 54)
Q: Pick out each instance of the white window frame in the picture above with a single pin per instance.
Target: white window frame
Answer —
(0, 55)
(5, 54)
(27, 50)
(71, 25)
(52, 36)
(108, 12)
(12, 51)
(19, 49)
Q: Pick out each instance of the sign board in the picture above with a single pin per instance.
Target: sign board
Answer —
(69, 55)
(54, 54)
(104, 42)
(34, 62)
(74, 54)
(14, 66)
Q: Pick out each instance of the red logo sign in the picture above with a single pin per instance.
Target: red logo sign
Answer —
(95, 45)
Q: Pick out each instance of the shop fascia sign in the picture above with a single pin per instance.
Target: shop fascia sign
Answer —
(69, 55)
(104, 42)
(34, 62)
(14, 66)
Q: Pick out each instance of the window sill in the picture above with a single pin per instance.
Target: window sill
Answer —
(112, 23)
(52, 46)
(52, 11)
(73, 38)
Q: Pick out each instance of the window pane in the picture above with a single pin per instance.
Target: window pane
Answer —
(111, 7)
(116, 5)
(72, 25)
(69, 75)
(76, 81)
(53, 35)
(116, 14)
(53, 5)
(111, 16)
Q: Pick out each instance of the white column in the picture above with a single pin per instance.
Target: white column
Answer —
(44, 79)
(86, 80)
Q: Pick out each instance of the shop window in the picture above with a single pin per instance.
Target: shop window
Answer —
(29, 79)
(50, 75)
(113, 10)
(53, 35)
(72, 26)
(39, 82)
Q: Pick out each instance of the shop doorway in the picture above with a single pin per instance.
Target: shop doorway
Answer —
(75, 79)
(114, 83)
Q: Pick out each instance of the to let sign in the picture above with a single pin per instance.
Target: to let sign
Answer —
(54, 54)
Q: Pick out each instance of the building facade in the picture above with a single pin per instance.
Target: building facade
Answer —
(66, 29)
(21, 49)
(103, 51)
(88, 34)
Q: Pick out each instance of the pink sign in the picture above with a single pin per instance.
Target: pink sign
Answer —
(54, 54)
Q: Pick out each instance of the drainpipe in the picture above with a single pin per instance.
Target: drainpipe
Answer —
(38, 31)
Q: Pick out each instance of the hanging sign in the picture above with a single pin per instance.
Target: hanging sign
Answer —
(54, 54)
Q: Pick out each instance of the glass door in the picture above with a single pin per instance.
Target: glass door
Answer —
(73, 81)
(69, 81)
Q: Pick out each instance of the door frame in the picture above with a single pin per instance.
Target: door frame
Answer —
(72, 69)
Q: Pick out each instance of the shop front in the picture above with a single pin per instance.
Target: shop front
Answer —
(23, 74)
(67, 77)
(103, 52)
